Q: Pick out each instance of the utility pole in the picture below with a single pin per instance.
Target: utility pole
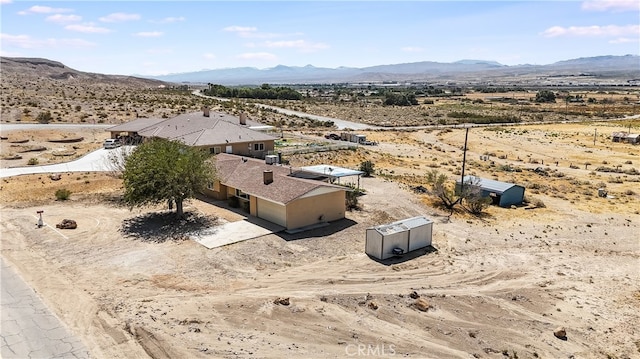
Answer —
(464, 160)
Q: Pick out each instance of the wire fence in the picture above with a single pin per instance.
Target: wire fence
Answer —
(312, 148)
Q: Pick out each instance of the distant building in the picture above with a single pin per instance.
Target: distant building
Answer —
(503, 194)
(632, 138)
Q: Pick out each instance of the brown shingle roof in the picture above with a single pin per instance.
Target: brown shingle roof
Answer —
(246, 174)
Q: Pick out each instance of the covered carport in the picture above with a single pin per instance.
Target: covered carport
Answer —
(129, 131)
(328, 173)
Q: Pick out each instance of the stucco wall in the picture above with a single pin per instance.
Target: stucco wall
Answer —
(243, 149)
(218, 191)
(307, 211)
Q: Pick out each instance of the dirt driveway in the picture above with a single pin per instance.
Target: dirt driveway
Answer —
(494, 287)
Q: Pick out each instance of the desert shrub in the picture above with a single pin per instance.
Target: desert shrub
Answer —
(367, 167)
(629, 192)
(63, 194)
(539, 203)
(351, 200)
(44, 117)
(33, 161)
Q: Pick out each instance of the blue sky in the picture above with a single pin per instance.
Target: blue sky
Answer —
(162, 37)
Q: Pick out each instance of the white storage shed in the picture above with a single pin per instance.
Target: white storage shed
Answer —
(397, 238)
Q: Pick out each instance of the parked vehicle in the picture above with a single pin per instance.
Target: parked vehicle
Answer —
(332, 136)
(111, 143)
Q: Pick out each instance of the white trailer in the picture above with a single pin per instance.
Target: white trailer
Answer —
(398, 238)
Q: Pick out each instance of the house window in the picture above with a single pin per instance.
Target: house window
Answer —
(215, 150)
(258, 146)
(241, 194)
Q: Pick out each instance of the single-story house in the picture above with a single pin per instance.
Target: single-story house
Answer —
(503, 194)
(218, 132)
(268, 191)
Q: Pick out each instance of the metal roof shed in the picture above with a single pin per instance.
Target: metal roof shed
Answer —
(389, 240)
(503, 194)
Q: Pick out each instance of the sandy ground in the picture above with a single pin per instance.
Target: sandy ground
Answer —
(497, 286)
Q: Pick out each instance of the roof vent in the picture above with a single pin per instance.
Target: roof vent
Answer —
(243, 118)
(267, 176)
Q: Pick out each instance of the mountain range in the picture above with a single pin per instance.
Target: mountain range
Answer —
(607, 70)
(620, 68)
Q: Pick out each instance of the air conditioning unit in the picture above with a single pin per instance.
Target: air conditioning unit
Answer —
(271, 159)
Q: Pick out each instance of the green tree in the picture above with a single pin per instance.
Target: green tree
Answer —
(160, 170)
(367, 167)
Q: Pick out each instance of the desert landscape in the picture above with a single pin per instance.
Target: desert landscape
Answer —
(491, 286)
(132, 283)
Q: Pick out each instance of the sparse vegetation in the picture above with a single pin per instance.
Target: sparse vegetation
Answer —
(63, 194)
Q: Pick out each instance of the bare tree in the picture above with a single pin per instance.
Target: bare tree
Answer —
(438, 186)
(471, 196)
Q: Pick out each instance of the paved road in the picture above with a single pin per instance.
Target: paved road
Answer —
(28, 328)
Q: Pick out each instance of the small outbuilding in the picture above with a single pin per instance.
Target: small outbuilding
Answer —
(398, 238)
(503, 194)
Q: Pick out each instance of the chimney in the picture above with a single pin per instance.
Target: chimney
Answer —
(205, 111)
(267, 176)
(243, 118)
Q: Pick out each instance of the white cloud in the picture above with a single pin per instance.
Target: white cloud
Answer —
(43, 10)
(592, 31)
(149, 34)
(240, 29)
(412, 49)
(209, 56)
(26, 42)
(257, 56)
(252, 32)
(296, 44)
(168, 20)
(63, 19)
(624, 40)
(2, 2)
(87, 28)
(119, 17)
(611, 5)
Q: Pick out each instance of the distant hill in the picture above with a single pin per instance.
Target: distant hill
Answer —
(43, 68)
(618, 68)
(612, 70)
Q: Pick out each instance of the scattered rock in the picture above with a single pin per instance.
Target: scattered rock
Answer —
(373, 305)
(67, 224)
(560, 333)
(414, 295)
(55, 176)
(282, 301)
(422, 304)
